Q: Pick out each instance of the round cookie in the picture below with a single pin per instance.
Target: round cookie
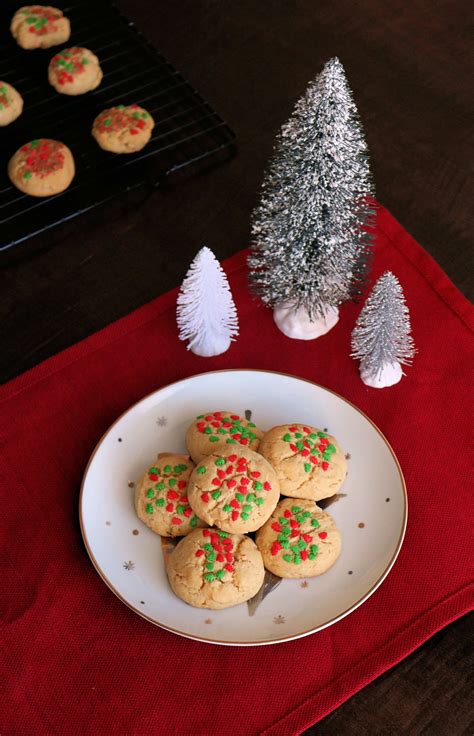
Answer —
(215, 430)
(235, 489)
(39, 27)
(213, 569)
(161, 500)
(300, 540)
(74, 71)
(11, 104)
(308, 462)
(123, 129)
(42, 167)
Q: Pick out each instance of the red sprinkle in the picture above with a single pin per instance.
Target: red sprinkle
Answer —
(324, 465)
(182, 484)
(221, 474)
(213, 424)
(188, 512)
(294, 524)
(209, 417)
(176, 521)
(255, 474)
(314, 460)
(231, 483)
(276, 547)
(276, 526)
(244, 441)
(169, 507)
(232, 458)
(199, 552)
(245, 481)
(228, 567)
(293, 447)
(172, 495)
(230, 469)
(229, 557)
(305, 453)
(205, 497)
(267, 486)
(307, 538)
(206, 533)
(134, 131)
(294, 533)
(235, 504)
(153, 476)
(215, 482)
(234, 416)
(235, 515)
(304, 554)
(306, 429)
(322, 535)
(287, 514)
(220, 557)
(293, 429)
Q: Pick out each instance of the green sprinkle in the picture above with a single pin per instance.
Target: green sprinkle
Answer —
(247, 508)
(286, 531)
(313, 435)
(85, 61)
(154, 471)
(160, 501)
(209, 577)
(239, 496)
(251, 424)
(257, 486)
(150, 493)
(178, 468)
(312, 556)
(285, 543)
(295, 548)
(288, 558)
(210, 566)
(226, 419)
(1, 106)
(215, 495)
(121, 107)
(322, 434)
(183, 467)
(259, 501)
(307, 467)
(167, 469)
(220, 574)
(160, 486)
(201, 416)
(297, 560)
(107, 122)
(145, 115)
(172, 482)
(3, 89)
(298, 435)
(201, 469)
(31, 18)
(212, 557)
(281, 537)
(208, 547)
(220, 461)
(35, 143)
(326, 456)
(302, 544)
(231, 442)
(300, 518)
(224, 535)
(213, 439)
(296, 509)
(283, 520)
(315, 523)
(251, 497)
(314, 549)
(306, 514)
(299, 445)
(208, 430)
(286, 438)
(27, 175)
(149, 508)
(244, 515)
(221, 431)
(180, 509)
(193, 521)
(331, 449)
(136, 115)
(227, 507)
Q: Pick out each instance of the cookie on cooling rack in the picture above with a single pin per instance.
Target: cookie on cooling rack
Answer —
(210, 568)
(123, 129)
(11, 104)
(308, 462)
(235, 489)
(42, 167)
(74, 71)
(216, 430)
(161, 500)
(299, 540)
(39, 27)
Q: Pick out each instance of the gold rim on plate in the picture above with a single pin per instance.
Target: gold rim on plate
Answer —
(280, 640)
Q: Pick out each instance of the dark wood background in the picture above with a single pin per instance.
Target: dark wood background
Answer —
(409, 67)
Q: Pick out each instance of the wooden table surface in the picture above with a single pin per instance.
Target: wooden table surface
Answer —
(408, 65)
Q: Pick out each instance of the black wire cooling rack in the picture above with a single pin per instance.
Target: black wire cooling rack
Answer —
(187, 133)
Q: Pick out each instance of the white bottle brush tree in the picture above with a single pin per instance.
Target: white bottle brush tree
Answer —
(206, 312)
(310, 245)
(381, 338)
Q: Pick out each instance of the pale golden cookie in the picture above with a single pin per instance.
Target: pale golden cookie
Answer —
(39, 27)
(300, 540)
(161, 500)
(309, 463)
(210, 568)
(235, 489)
(123, 129)
(11, 104)
(42, 167)
(74, 71)
(215, 430)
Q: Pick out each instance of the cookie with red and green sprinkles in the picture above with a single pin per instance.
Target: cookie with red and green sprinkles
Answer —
(161, 499)
(211, 568)
(308, 461)
(123, 129)
(11, 104)
(299, 540)
(235, 490)
(216, 430)
(42, 167)
(39, 27)
(74, 71)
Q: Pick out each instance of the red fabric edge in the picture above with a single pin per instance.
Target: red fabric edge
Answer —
(400, 239)
(404, 643)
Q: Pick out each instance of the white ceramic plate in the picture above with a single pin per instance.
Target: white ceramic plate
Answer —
(128, 556)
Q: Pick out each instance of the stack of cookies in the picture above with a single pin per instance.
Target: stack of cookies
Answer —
(236, 481)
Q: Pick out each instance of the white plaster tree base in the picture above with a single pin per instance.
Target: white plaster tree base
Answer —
(390, 374)
(208, 345)
(295, 323)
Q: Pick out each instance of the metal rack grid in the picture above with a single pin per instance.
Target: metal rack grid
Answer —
(187, 133)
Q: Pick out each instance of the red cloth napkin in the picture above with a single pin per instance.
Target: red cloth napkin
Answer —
(76, 660)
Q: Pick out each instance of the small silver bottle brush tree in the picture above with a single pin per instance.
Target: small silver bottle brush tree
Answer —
(310, 245)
